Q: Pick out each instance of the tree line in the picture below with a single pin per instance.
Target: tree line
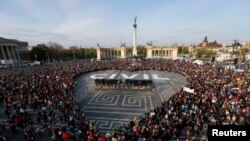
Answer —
(55, 51)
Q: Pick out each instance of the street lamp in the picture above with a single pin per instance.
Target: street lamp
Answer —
(36, 57)
(48, 56)
(182, 51)
(234, 45)
(240, 58)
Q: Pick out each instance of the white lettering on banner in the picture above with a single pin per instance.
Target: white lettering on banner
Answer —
(97, 76)
(145, 76)
(155, 76)
(112, 76)
(125, 76)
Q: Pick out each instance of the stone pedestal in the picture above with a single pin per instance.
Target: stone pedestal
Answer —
(98, 53)
(175, 53)
(149, 52)
(123, 52)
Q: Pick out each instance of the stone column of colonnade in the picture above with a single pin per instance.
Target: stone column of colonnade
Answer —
(17, 52)
(8, 52)
(13, 52)
(109, 53)
(166, 54)
(3, 53)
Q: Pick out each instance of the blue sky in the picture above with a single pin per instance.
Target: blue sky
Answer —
(109, 22)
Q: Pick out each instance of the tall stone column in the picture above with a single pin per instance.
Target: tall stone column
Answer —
(2, 50)
(13, 52)
(134, 51)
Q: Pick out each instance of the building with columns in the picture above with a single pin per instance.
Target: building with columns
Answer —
(152, 52)
(109, 53)
(161, 52)
(11, 49)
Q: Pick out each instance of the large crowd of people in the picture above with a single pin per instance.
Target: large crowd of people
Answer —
(47, 93)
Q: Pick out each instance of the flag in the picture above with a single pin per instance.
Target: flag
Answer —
(65, 136)
(65, 85)
(186, 89)
(214, 99)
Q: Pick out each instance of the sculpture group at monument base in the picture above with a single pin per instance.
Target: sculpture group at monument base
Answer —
(128, 84)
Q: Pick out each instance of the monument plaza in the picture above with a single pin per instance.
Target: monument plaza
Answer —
(108, 109)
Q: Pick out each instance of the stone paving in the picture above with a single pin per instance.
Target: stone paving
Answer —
(112, 108)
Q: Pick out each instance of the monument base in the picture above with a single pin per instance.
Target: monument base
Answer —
(128, 84)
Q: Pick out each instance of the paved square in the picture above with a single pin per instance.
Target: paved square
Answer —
(112, 108)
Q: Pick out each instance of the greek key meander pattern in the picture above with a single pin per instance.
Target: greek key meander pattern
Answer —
(113, 108)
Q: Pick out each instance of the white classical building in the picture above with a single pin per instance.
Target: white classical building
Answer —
(161, 52)
(11, 49)
(107, 53)
(152, 52)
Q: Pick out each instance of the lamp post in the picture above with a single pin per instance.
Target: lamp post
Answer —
(240, 58)
(182, 51)
(233, 50)
(36, 57)
(48, 55)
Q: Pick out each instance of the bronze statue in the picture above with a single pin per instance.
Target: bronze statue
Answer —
(135, 22)
(150, 44)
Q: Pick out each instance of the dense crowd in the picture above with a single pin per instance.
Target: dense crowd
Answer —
(47, 92)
